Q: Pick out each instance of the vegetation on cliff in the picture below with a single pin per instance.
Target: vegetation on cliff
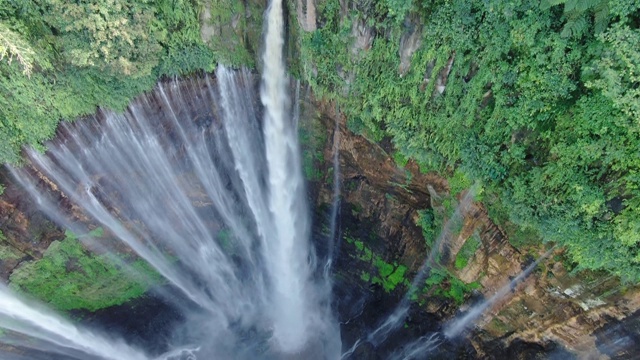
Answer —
(536, 100)
(69, 277)
(63, 59)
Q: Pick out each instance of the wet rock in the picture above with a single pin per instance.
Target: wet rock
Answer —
(552, 314)
(307, 16)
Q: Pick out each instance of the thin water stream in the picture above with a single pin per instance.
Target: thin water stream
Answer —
(455, 327)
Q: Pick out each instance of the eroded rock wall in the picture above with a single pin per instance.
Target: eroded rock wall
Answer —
(553, 308)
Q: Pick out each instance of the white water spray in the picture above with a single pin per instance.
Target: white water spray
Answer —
(168, 186)
(289, 249)
(418, 349)
(43, 325)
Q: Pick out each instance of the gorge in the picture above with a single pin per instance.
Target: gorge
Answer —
(192, 225)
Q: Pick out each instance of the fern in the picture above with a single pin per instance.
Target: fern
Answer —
(574, 27)
(576, 12)
(601, 17)
(547, 4)
(580, 5)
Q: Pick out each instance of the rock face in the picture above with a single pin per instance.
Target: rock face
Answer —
(307, 16)
(233, 29)
(24, 233)
(382, 192)
(590, 315)
(552, 311)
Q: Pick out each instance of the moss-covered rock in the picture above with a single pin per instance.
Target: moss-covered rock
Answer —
(69, 277)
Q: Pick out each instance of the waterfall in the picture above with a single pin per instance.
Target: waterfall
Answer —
(167, 183)
(397, 317)
(21, 317)
(418, 349)
(202, 180)
(289, 249)
(335, 201)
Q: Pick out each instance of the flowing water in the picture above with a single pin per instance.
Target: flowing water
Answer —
(455, 327)
(335, 201)
(397, 317)
(170, 189)
(217, 206)
(60, 335)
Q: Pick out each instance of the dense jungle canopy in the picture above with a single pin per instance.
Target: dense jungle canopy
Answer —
(537, 101)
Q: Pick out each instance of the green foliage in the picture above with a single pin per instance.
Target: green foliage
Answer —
(442, 283)
(427, 221)
(12, 45)
(72, 57)
(398, 9)
(615, 71)
(234, 29)
(119, 36)
(8, 252)
(400, 159)
(537, 105)
(389, 275)
(471, 245)
(312, 137)
(310, 164)
(576, 12)
(69, 277)
(183, 49)
(458, 182)
(359, 245)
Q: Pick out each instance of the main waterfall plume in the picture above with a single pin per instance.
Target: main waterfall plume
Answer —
(294, 312)
(215, 204)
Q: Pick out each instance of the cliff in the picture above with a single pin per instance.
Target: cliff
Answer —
(392, 210)
(381, 205)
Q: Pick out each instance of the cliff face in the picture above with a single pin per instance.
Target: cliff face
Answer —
(25, 234)
(383, 238)
(553, 307)
(383, 241)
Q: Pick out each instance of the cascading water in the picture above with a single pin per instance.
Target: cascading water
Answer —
(458, 325)
(168, 189)
(288, 251)
(217, 206)
(397, 317)
(60, 335)
(335, 201)
(418, 349)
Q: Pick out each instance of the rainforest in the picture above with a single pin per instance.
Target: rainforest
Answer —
(319, 179)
